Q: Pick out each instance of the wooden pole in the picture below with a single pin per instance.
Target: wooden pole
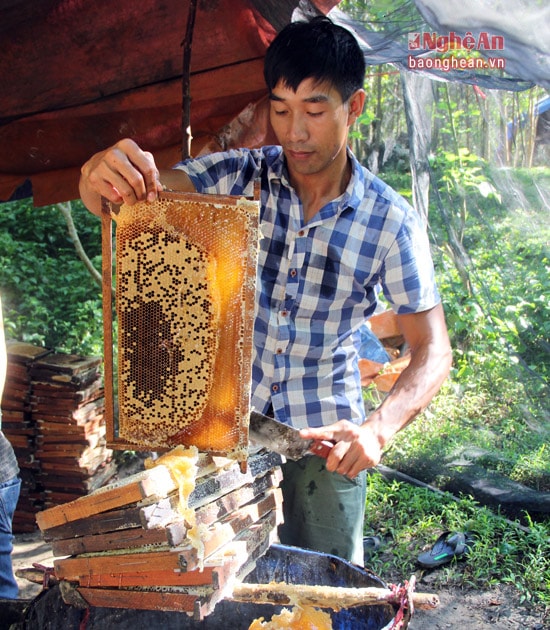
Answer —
(107, 305)
(186, 81)
(334, 597)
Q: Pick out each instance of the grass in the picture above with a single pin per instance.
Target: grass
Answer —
(409, 519)
(493, 411)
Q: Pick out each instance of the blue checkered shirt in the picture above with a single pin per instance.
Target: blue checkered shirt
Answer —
(317, 283)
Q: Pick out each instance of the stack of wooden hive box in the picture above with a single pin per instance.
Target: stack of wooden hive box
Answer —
(53, 414)
(68, 407)
(129, 545)
(20, 428)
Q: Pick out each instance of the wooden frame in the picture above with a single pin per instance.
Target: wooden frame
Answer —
(108, 210)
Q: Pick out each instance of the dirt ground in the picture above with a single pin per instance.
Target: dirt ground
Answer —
(498, 607)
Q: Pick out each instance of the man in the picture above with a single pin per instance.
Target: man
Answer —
(331, 233)
(10, 485)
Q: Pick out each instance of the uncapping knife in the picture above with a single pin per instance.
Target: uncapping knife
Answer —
(284, 439)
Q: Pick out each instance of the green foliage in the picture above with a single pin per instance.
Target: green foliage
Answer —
(463, 173)
(409, 519)
(48, 296)
(493, 411)
(497, 398)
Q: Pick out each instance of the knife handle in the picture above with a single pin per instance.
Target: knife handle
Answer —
(321, 448)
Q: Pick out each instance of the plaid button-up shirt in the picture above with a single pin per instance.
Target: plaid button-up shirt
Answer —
(317, 283)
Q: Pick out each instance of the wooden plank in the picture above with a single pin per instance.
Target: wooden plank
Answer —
(215, 574)
(112, 521)
(220, 534)
(210, 488)
(71, 569)
(252, 543)
(66, 363)
(209, 576)
(126, 538)
(139, 599)
(156, 482)
(23, 352)
(196, 600)
(384, 325)
(225, 505)
(232, 478)
(80, 520)
(72, 391)
(165, 512)
(107, 308)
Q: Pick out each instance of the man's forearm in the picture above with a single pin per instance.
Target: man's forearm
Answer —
(426, 335)
(412, 393)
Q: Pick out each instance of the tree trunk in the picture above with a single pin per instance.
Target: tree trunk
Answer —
(65, 209)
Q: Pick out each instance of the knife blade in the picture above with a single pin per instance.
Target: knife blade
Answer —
(284, 439)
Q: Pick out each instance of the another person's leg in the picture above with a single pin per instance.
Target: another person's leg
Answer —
(323, 511)
(9, 495)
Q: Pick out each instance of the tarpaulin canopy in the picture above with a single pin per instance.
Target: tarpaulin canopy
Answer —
(78, 76)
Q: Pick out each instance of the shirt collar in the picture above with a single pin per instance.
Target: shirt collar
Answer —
(355, 189)
(353, 194)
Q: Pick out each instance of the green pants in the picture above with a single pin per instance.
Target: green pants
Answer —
(323, 511)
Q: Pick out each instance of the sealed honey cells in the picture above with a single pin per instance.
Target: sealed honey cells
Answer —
(185, 280)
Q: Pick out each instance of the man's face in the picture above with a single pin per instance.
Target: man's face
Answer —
(311, 125)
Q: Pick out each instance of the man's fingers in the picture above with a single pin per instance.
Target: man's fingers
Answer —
(336, 456)
(127, 173)
(151, 177)
(124, 173)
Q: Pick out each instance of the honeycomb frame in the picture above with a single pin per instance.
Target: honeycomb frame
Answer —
(184, 307)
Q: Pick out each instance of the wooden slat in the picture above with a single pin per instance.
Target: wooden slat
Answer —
(124, 533)
(156, 482)
(139, 600)
(207, 577)
(384, 325)
(201, 600)
(107, 306)
(123, 539)
(254, 543)
(71, 569)
(139, 562)
(236, 526)
(153, 485)
(165, 512)
(211, 487)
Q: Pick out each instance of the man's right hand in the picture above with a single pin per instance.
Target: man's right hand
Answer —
(122, 174)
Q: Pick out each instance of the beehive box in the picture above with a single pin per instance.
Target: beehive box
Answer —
(185, 283)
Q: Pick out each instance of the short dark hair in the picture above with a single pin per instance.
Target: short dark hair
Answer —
(319, 49)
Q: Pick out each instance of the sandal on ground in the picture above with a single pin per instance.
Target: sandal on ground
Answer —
(370, 545)
(448, 546)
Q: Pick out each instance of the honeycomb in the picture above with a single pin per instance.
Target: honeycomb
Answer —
(185, 280)
(299, 618)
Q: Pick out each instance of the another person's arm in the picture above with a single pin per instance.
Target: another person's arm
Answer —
(3, 356)
(124, 173)
(360, 447)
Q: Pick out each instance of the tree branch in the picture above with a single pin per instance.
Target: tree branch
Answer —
(65, 209)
